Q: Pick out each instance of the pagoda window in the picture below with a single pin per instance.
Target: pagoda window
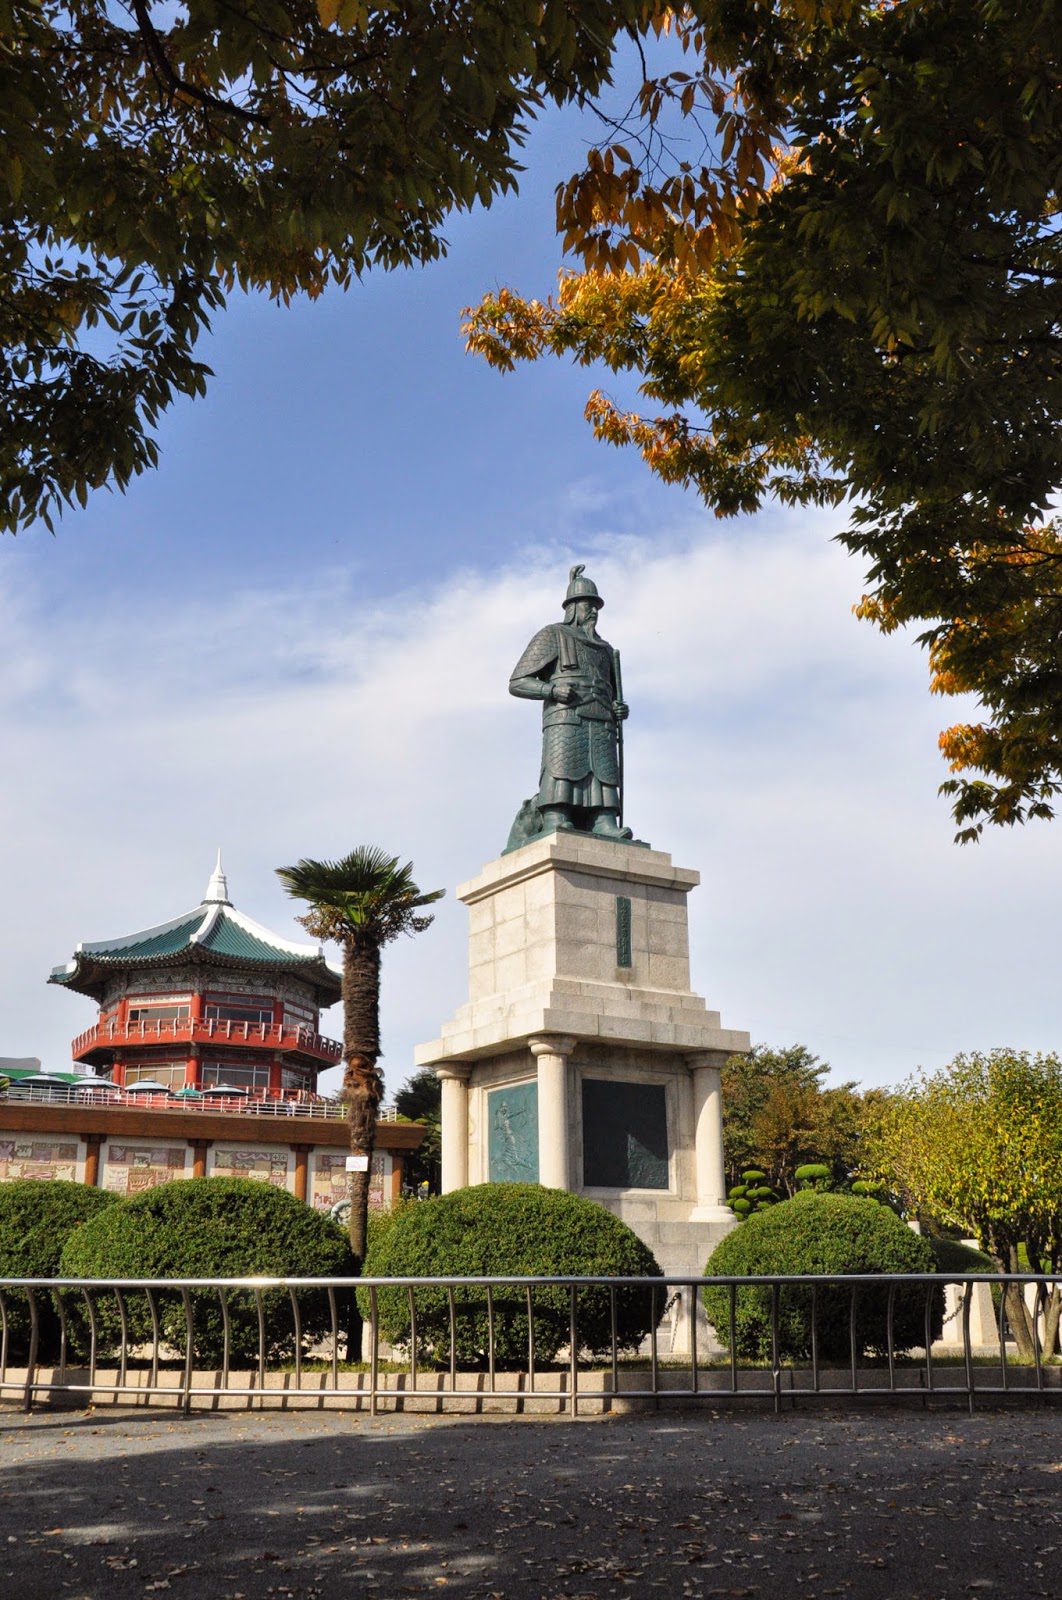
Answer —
(171, 1073)
(241, 1074)
(299, 1016)
(295, 1078)
(239, 1011)
(159, 1011)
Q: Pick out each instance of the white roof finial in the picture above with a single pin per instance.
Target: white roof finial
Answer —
(217, 890)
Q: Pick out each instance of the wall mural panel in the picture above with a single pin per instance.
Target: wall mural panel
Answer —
(27, 1155)
(328, 1179)
(272, 1164)
(130, 1168)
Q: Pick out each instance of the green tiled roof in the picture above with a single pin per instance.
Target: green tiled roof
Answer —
(228, 937)
(215, 934)
(165, 941)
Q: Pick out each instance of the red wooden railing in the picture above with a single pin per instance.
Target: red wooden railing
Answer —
(187, 1030)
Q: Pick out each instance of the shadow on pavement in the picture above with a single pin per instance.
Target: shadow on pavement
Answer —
(249, 1506)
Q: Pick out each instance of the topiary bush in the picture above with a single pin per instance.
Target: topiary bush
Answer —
(814, 1175)
(825, 1234)
(213, 1228)
(37, 1217)
(753, 1193)
(510, 1229)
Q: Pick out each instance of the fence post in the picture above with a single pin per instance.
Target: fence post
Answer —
(31, 1359)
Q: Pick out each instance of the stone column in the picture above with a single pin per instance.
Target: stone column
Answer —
(707, 1088)
(454, 1080)
(554, 1157)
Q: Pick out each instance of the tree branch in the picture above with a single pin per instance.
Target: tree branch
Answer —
(168, 79)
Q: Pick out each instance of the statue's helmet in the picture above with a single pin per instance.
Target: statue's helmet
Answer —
(581, 588)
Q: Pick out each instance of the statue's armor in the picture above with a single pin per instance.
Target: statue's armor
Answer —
(580, 766)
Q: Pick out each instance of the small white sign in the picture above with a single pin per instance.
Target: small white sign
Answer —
(357, 1163)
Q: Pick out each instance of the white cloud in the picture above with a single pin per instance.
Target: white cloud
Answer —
(781, 747)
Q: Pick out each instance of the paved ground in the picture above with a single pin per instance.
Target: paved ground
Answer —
(873, 1504)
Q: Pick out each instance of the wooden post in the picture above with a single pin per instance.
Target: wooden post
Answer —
(92, 1159)
(199, 1157)
(302, 1153)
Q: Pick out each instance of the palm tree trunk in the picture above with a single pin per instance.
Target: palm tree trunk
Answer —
(362, 1083)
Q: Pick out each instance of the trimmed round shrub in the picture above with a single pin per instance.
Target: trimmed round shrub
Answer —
(814, 1175)
(828, 1234)
(952, 1256)
(37, 1217)
(511, 1229)
(753, 1193)
(213, 1228)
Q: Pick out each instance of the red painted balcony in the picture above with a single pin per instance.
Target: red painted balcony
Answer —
(96, 1043)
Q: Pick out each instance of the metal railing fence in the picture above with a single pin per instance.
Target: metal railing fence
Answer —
(214, 1100)
(196, 1339)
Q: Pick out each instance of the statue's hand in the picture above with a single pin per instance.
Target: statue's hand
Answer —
(564, 693)
(621, 710)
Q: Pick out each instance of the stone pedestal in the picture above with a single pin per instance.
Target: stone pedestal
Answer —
(583, 1060)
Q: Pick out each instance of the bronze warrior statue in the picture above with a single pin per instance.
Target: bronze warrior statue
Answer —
(576, 676)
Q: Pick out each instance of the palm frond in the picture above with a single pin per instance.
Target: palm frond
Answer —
(367, 892)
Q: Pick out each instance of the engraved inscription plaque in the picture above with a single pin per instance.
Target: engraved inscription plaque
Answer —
(624, 1135)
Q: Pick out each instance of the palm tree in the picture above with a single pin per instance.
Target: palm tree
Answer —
(362, 902)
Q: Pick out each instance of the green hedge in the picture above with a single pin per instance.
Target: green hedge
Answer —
(503, 1229)
(951, 1256)
(37, 1217)
(214, 1228)
(823, 1234)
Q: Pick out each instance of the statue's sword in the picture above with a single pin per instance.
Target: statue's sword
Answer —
(618, 675)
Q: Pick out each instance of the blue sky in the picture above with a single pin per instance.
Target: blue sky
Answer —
(355, 428)
(296, 636)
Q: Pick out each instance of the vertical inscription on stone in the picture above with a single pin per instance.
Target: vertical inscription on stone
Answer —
(623, 931)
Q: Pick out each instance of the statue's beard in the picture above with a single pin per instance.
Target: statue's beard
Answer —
(590, 627)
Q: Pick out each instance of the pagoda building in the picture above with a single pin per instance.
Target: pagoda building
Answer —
(207, 1000)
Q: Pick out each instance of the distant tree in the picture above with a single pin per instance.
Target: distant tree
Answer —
(778, 1115)
(421, 1101)
(979, 1144)
(362, 902)
(747, 1084)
